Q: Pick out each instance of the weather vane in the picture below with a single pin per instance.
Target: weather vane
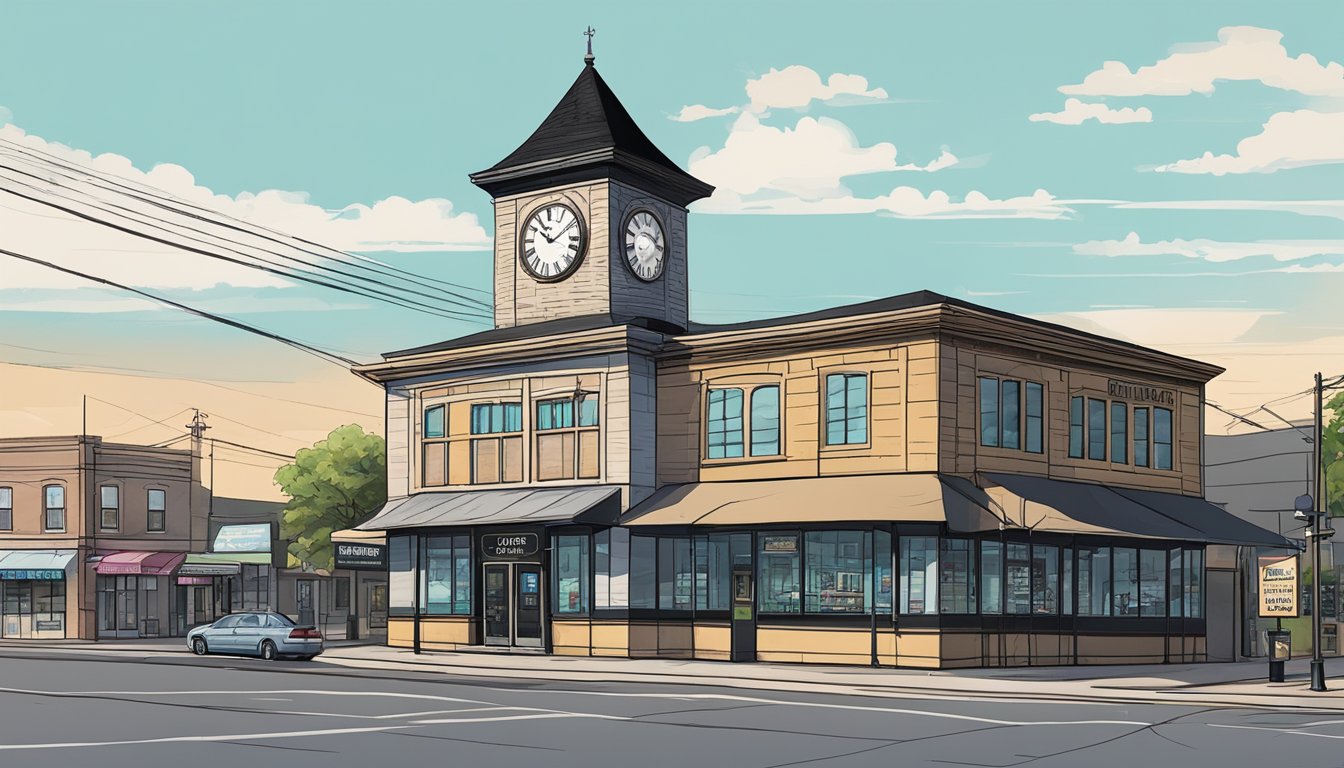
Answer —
(589, 32)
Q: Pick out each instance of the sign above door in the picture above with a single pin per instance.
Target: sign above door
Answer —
(510, 546)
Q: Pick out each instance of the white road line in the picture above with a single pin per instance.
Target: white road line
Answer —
(369, 694)
(539, 716)
(222, 737)
(1285, 731)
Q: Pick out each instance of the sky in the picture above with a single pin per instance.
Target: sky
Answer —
(1167, 173)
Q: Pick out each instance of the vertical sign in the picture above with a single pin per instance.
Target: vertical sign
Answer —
(1278, 587)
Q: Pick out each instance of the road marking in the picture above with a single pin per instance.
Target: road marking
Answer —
(540, 716)
(222, 737)
(370, 694)
(1285, 731)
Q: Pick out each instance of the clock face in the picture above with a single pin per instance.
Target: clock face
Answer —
(645, 245)
(552, 242)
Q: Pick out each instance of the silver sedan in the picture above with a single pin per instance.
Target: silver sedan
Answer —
(256, 633)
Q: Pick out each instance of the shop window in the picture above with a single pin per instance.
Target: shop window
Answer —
(497, 459)
(109, 507)
(778, 581)
(156, 504)
(1094, 581)
(991, 577)
(1066, 586)
(1017, 595)
(53, 518)
(724, 424)
(1076, 429)
(1162, 438)
(434, 447)
(341, 598)
(1175, 584)
(838, 568)
(1044, 580)
(1194, 584)
(765, 421)
(1096, 429)
(713, 572)
(445, 579)
(956, 576)
(1125, 567)
(989, 412)
(1152, 582)
(675, 577)
(847, 409)
(1119, 432)
(1140, 437)
(611, 566)
(919, 574)
(255, 592)
(1035, 424)
(6, 508)
(567, 438)
(643, 572)
(571, 574)
(401, 574)
(882, 571)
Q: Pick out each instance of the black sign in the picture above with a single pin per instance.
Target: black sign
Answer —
(1140, 393)
(361, 557)
(510, 545)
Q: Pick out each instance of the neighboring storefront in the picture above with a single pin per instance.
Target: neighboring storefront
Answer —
(135, 598)
(34, 596)
(359, 582)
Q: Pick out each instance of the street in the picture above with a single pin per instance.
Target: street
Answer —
(63, 708)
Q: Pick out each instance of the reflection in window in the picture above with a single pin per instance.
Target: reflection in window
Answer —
(1094, 581)
(446, 578)
(1161, 438)
(434, 422)
(54, 513)
(110, 511)
(6, 508)
(611, 566)
(1096, 429)
(1175, 583)
(1125, 564)
(765, 421)
(1076, 428)
(675, 578)
(1035, 425)
(1044, 580)
(400, 573)
(837, 572)
(643, 572)
(1194, 583)
(882, 575)
(1018, 594)
(713, 572)
(1067, 585)
(956, 580)
(1011, 400)
(1119, 433)
(778, 582)
(919, 574)
(1152, 582)
(846, 409)
(1140, 437)
(989, 412)
(571, 574)
(725, 424)
(494, 418)
(156, 503)
(991, 577)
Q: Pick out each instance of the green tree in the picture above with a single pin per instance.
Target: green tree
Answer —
(333, 485)
(1332, 453)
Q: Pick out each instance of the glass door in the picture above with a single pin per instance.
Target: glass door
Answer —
(497, 613)
(18, 608)
(304, 600)
(527, 611)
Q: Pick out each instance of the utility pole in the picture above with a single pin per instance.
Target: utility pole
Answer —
(1317, 576)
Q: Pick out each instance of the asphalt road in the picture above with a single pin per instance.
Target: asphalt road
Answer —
(61, 709)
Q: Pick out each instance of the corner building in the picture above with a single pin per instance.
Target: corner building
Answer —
(915, 481)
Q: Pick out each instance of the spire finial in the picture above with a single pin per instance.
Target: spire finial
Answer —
(589, 32)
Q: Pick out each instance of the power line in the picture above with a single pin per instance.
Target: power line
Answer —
(1236, 416)
(286, 457)
(257, 429)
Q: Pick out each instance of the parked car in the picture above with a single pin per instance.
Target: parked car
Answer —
(256, 633)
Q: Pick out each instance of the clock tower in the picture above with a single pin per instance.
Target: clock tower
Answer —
(590, 217)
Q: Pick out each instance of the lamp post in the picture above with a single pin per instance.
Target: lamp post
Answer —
(1313, 510)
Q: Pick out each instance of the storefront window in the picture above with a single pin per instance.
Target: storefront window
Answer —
(882, 570)
(611, 568)
(401, 574)
(1175, 583)
(446, 577)
(1194, 583)
(1094, 581)
(919, 575)
(1044, 580)
(713, 573)
(255, 591)
(956, 576)
(778, 582)
(1125, 565)
(1017, 597)
(1067, 586)
(838, 566)
(1152, 582)
(571, 574)
(643, 572)
(991, 577)
(675, 579)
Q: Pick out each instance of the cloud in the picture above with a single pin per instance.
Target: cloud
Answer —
(1213, 250)
(1241, 53)
(796, 87)
(1331, 209)
(900, 203)
(1077, 112)
(1289, 140)
(692, 112)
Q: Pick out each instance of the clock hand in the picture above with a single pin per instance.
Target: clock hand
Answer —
(566, 229)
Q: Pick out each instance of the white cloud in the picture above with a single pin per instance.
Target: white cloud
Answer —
(1330, 209)
(1076, 112)
(901, 203)
(1289, 140)
(795, 87)
(1241, 53)
(692, 112)
(1213, 250)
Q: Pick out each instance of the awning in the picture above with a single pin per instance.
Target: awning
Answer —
(860, 498)
(221, 564)
(139, 563)
(599, 505)
(1064, 506)
(356, 536)
(41, 564)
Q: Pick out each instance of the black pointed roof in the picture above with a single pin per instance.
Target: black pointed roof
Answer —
(587, 135)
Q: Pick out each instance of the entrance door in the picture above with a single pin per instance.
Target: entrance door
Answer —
(744, 599)
(303, 597)
(527, 610)
(377, 602)
(18, 608)
(497, 629)
(128, 614)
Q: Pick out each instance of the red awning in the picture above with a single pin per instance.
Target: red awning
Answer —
(140, 563)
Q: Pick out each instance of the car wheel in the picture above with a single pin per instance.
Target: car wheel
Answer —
(198, 647)
(268, 650)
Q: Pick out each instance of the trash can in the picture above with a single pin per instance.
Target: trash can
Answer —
(1280, 650)
(352, 627)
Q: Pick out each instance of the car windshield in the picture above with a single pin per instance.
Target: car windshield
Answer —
(280, 620)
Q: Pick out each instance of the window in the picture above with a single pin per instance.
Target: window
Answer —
(254, 591)
(6, 509)
(643, 572)
(1125, 563)
(445, 579)
(956, 576)
(571, 574)
(434, 448)
(1035, 425)
(1152, 582)
(778, 582)
(991, 577)
(1094, 581)
(989, 412)
(1161, 438)
(1075, 427)
(109, 511)
(280, 621)
(434, 426)
(675, 576)
(1067, 585)
(713, 572)
(1044, 580)
(847, 409)
(919, 574)
(725, 424)
(401, 574)
(1194, 583)
(1175, 584)
(1010, 408)
(497, 459)
(838, 568)
(765, 421)
(156, 504)
(1119, 433)
(882, 571)
(1017, 596)
(1140, 437)
(54, 517)
(341, 599)
(1096, 429)
(567, 438)
(611, 567)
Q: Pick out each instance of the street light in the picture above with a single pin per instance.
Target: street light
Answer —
(1313, 511)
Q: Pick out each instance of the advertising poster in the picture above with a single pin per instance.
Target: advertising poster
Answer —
(1278, 587)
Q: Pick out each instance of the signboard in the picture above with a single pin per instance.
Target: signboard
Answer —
(1278, 587)
(510, 545)
(1137, 393)
(252, 537)
(194, 581)
(31, 574)
(779, 543)
(367, 557)
(53, 625)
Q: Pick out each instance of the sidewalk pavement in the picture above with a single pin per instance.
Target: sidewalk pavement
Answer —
(1211, 684)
